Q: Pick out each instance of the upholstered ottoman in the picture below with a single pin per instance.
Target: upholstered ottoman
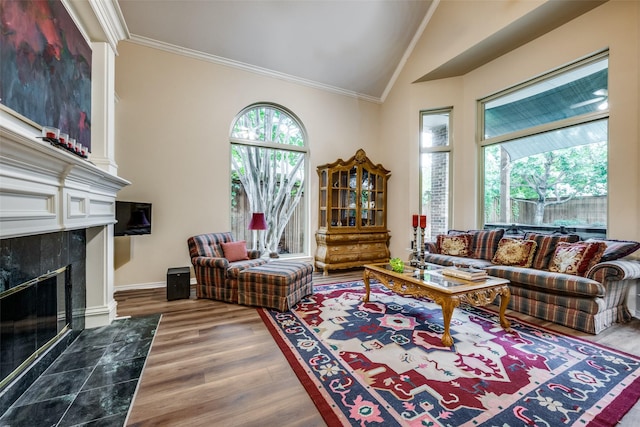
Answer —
(276, 284)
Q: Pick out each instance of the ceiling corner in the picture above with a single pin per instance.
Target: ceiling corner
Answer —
(542, 20)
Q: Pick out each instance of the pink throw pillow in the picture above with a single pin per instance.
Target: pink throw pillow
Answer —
(235, 251)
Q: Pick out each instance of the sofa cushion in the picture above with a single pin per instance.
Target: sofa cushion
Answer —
(617, 249)
(485, 242)
(576, 258)
(235, 268)
(235, 251)
(546, 245)
(515, 252)
(546, 281)
(454, 244)
(449, 260)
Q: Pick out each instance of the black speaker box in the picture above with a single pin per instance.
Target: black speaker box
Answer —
(178, 286)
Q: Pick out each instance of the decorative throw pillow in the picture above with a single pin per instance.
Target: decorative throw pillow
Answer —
(485, 242)
(235, 251)
(576, 258)
(454, 244)
(617, 249)
(546, 245)
(515, 252)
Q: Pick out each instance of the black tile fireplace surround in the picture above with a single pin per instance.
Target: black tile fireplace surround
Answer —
(25, 258)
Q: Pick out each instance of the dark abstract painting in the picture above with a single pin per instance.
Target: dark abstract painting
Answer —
(45, 66)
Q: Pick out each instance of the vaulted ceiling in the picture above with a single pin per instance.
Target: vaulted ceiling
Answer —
(350, 46)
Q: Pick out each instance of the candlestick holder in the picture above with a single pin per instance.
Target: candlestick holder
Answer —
(415, 249)
(423, 247)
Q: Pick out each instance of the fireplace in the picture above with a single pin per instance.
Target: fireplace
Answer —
(32, 316)
(56, 212)
(42, 304)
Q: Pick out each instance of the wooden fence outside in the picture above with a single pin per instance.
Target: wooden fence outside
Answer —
(584, 210)
(292, 240)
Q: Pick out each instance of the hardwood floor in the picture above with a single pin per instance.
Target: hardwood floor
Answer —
(214, 363)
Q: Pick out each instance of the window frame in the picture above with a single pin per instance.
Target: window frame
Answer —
(581, 119)
(448, 149)
(304, 150)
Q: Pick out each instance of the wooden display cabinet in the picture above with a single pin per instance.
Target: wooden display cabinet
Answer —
(352, 214)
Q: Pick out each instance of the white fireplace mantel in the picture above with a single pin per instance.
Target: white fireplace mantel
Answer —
(46, 189)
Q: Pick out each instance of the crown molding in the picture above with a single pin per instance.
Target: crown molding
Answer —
(99, 20)
(167, 47)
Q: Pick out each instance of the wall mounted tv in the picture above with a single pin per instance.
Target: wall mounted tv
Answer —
(134, 218)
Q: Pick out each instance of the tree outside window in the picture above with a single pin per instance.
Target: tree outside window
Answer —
(268, 168)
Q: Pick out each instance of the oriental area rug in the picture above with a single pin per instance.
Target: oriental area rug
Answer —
(383, 363)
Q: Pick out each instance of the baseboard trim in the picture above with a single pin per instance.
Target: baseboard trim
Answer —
(151, 285)
(100, 315)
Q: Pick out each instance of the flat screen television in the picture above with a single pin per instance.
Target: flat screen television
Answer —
(134, 218)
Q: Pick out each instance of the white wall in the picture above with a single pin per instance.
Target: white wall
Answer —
(174, 115)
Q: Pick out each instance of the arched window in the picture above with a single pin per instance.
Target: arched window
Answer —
(268, 175)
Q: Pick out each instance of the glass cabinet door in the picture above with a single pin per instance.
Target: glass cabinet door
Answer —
(379, 195)
(343, 197)
(352, 196)
(372, 199)
(323, 198)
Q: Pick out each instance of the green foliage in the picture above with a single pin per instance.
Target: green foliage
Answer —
(268, 124)
(236, 188)
(575, 171)
(492, 180)
(549, 177)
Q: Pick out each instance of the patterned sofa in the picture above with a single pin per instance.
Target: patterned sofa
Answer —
(579, 284)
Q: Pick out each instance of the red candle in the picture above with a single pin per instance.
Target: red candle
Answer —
(423, 221)
(415, 221)
(50, 132)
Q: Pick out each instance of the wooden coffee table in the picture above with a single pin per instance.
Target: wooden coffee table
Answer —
(445, 291)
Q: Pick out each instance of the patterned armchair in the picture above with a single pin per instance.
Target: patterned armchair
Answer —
(217, 276)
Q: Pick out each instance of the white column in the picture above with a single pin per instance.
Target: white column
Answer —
(103, 107)
(101, 307)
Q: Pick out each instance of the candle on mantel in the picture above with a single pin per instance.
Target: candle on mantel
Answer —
(50, 132)
(415, 221)
(423, 221)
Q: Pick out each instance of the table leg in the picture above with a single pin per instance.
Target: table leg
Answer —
(505, 296)
(365, 279)
(447, 312)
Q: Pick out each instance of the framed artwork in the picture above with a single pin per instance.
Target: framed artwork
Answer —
(45, 67)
